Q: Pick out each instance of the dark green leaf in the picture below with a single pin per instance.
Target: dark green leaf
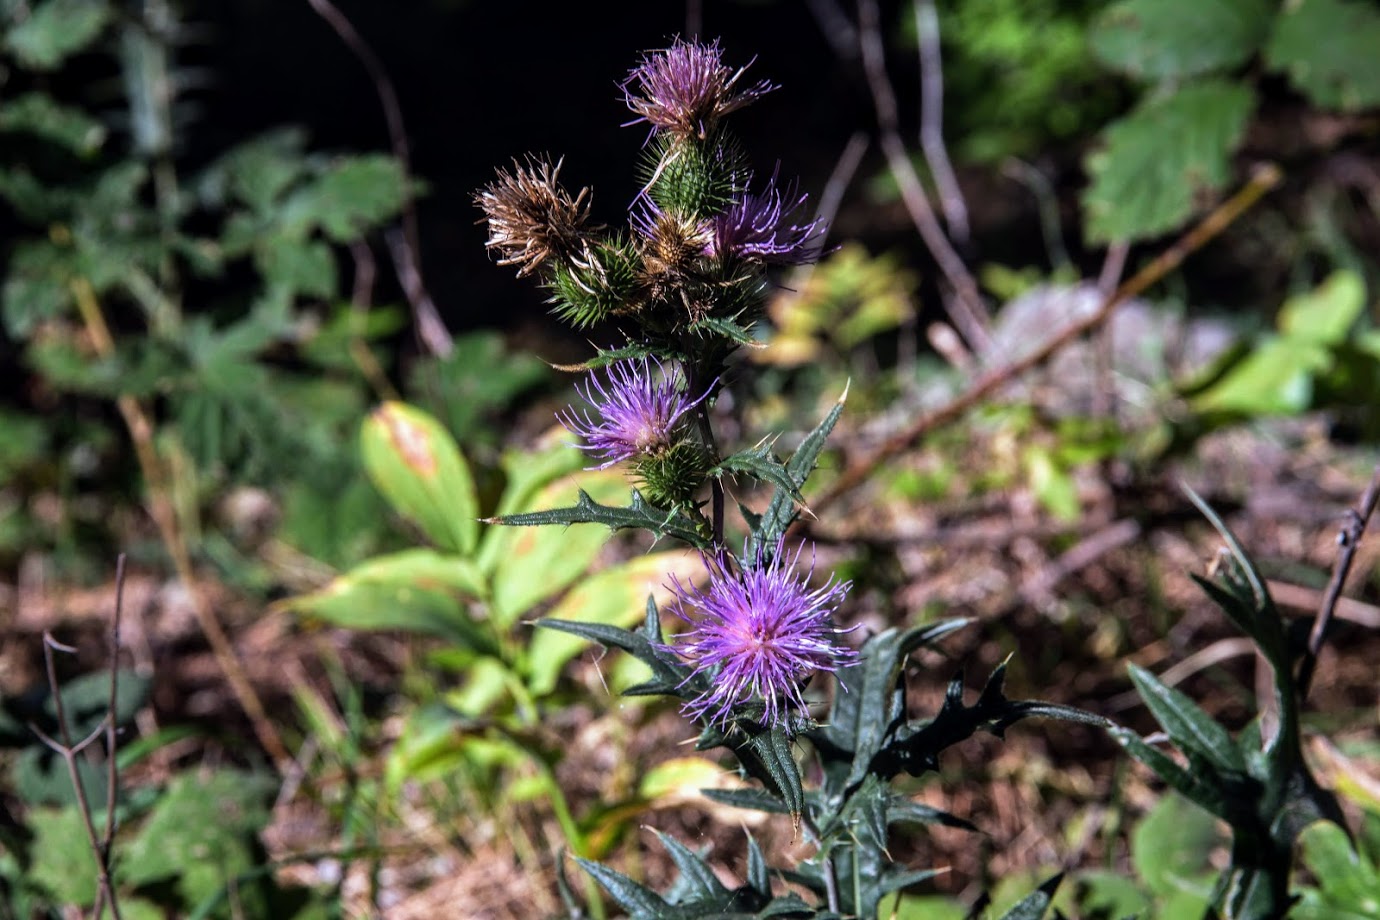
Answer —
(1173, 39)
(54, 30)
(760, 463)
(640, 902)
(639, 515)
(757, 874)
(1034, 905)
(1186, 724)
(697, 880)
(783, 508)
(901, 810)
(1328, 49)
(39, 115)
(1197, 789)
(755, 799)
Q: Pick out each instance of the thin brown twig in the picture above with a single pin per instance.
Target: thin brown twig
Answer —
(160, 507)
(966, 309)
(1349, 538)
(1265, 178)
(361, 300)
(112, 770)
(430, 330)
(932, 121)
(69, 751)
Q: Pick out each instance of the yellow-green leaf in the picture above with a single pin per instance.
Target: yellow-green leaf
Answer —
(419, 469)
(613, 597)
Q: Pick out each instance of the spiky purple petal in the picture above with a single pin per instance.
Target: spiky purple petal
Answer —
(761, 227)
(636, 412)
(758, 633)
(686, 89)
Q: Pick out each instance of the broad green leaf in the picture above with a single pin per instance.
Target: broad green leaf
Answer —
(1170, 848)
(615, 597)
(1186, 724)
(419, 469)
(422, 568)
(39, 115)
(1051, 484)
(527, 471)
(415, 591)
(536, 563)
(1274, 378)
(1348, 887)
(487, 680)
(1173, 39)
(201, 834)
(1326, 314)
(1156, 164)
(1328, 49)
(56, 29)
(679, 779)
(259, 171)
(62, 861)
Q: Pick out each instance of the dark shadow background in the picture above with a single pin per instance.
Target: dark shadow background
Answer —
(482, 82)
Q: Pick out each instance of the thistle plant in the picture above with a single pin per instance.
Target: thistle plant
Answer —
(757, 644)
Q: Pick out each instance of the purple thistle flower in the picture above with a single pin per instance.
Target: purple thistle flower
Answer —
(635, 414)
(757, 634)
(759, 228)
(685, 89)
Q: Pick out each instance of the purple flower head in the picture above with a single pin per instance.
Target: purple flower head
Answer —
(760, 228)
(686, 88)
(635, 414)
(757, 633)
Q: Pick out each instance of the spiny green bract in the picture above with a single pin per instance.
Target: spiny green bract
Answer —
(606, 281)
(692, 176)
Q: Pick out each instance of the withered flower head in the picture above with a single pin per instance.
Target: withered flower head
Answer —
(670, 243)
(531, 217)
(686, 88)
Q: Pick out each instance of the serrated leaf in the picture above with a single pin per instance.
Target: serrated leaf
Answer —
(201, 834)
(783, 507)
(1328, 49)
(355, 194)
(1186, 724)
(1155, 164)
(725, 328)
(418, 467)
(1173, 39)
(56, 29)
(303, 266)
(697, 880)
(39, 115)
(615, 597)
(638, 515)
(760, 463)
(767, 755)
(750, 798)
(641, 902)
(62, 862)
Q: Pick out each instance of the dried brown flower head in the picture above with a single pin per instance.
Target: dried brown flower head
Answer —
(533, 218)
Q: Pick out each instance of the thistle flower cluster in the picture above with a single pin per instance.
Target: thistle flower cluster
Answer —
(686, 280)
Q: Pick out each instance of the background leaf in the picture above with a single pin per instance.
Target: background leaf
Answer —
(1172, 39)
(1155, 163)
(1328, 49)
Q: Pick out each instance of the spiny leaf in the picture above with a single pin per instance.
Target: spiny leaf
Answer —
(639, 515)
(782, 510)
(760, 463)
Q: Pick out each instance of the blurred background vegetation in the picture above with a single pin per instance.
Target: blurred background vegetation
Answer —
(219, 255)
